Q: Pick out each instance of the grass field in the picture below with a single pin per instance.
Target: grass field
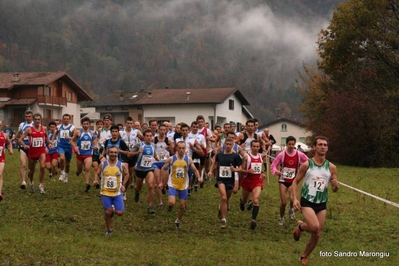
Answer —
(65, 226)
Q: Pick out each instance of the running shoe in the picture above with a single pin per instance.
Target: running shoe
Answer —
(164, 191)
(1, 197)
(223, 224)
(292, 214)
(124, 196)
(23, 185)
(150, 210)
(303, 260)
(136, 196)
(62, 176)
(249, 205)
(87, 187)
(170, 208)
(108, 233)
(196, 188)
(177, 224)
(50, 176)
(97, 185)
(202, 184)
(242, 205)
(41, 189)
(160, 206)
(189, 192)
(296, 232)
(281, 221)
(253, 224)
(65, 178)
(77, 173)
(32, 188)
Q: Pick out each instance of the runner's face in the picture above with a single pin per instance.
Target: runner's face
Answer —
(65, 120)
(201, 123)
(321, 147)
(37, 120)
(52, 128)
(86, 125)
(115, 133)
(181, 149)
(184, 131)
(250, 127)
(153, 126)
(255, 147)
(228, 145)
(113, 154)
(100, 126)
(162, 131)
(107, 123)
(226, 128)
(28, 118)
(194, 129)
(291, 146)
(148, 137)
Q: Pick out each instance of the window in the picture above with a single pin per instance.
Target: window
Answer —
(284, 127)
(108, 108)
(124, 107)
(69, 96)
(47, 91)
(47, 114)
(231, 104)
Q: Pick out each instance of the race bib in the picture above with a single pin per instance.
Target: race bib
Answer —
(110, 182)
(55, 143)
(179, 172)
(288, 173)
(131, 146)
(64, 133)
(37, 142)
(1, 150)
(162, 156)
(257, 167)
(146, 161)
(85, 145)
(225, 172)
(316, 184)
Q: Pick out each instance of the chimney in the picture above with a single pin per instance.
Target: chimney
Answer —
(15, 77)
(188, 95)
(149, 94)
(121, 97)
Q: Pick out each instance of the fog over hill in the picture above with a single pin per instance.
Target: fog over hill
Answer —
(256, 46)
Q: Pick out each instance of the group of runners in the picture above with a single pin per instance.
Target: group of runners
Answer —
(176, 162)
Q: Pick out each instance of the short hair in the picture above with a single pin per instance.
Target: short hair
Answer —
(319, 137)
(146, 131)
(68, 115)
(250, 121)
(181, 142)
(99, 121)
(129, 118)
(114, 127)
(217, 126)
(184, 125)
(38, 114)
(229, 139)
(152, 120)
(200, 117)
(28, 112)
(255, 141)
(85, 119)
(194, 123)
(111, 147)
(52, 123)
(290, 138)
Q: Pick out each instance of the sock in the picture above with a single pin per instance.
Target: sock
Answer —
(255, 211)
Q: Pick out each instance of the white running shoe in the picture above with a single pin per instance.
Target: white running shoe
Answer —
(62, 175)
(124, 196)
(41, 189)
(281, 221)
(292, 214)
(66, 178)
(32, 188)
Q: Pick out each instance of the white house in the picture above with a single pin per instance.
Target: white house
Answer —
(282, 128)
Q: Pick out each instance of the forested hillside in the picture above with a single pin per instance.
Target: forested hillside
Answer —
(107, 45)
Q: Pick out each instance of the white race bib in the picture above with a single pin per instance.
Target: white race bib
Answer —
(146, 161)
(257, 167)
(316, 184)
(110, 182)
(288, 173)
(37, 142)
(225, 172)
(85, 145)
(179, 172)
(1, 150)
(64, 133)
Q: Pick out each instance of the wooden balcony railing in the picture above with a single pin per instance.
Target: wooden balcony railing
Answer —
(51, 100)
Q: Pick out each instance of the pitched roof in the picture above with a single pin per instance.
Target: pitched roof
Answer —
(20, 101)
(191, 95)
(280, 120)
(118, 98)
(9, 80)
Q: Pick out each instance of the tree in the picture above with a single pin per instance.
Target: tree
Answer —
(352, 97)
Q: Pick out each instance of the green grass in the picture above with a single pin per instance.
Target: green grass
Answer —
(65, 226)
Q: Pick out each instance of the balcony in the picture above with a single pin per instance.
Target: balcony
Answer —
(51, 100)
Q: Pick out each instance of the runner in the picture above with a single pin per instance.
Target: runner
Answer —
(52, 154)
(4, 142)
(64, 134)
